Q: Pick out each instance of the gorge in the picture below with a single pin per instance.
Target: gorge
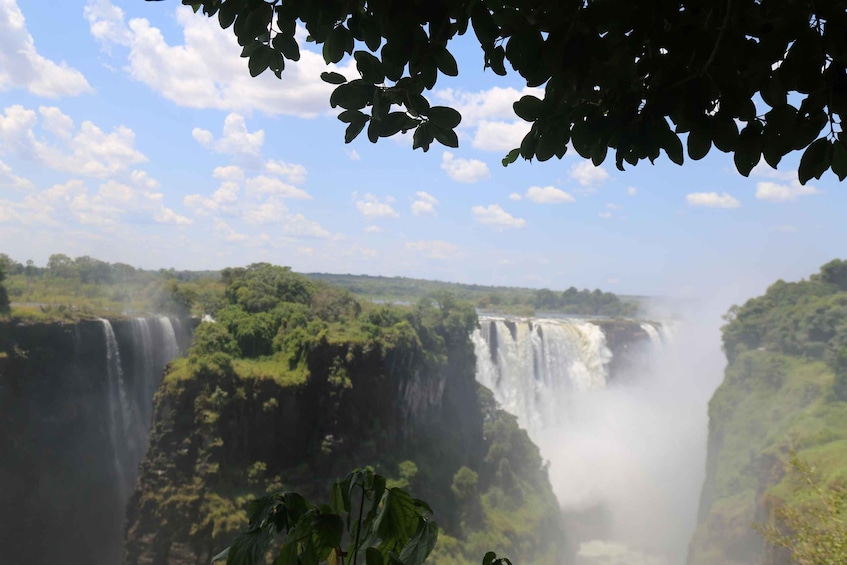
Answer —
(80, 398)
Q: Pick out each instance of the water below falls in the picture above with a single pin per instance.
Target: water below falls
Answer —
(625, 450)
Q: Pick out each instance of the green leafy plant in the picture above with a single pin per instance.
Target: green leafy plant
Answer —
(365, 522)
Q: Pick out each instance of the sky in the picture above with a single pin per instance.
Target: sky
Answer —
(132, 131)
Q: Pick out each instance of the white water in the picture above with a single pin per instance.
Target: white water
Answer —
(171, 347)
(626, 452)
(538, 364)
(119, 414)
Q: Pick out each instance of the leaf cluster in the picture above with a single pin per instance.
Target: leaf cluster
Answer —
(365, 522)
(755, 79)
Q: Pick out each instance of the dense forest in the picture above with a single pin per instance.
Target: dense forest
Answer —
(778, 430)
(67, 288)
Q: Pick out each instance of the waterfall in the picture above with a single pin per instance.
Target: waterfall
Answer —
(534, 366)
(655, 336)
(171, 346)
(118, 405)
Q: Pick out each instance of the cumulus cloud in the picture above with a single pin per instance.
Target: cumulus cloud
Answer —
(548, 195)
(235, 140)
(587, 175)
(712, 200)
(464, 170)
(263, 185)
(493, 215)
(373, 229)
(631, 191)
(500, 136)
(424, 204)
(371, 207)
(21, 66)
(114, 202)
(353, 154)
(9, 180)
(437, 249)
(605, 215)
(205, 70)
(775, 192)
(86, 151)
(515, 196)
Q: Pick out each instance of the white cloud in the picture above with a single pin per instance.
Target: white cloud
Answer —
(222, 201)
(88, 151)
(424, 205)
(548, 195)
(114, 202)
(494, 215)
(440, 250)
(774, 192)
(225, 232)
(308, 251)
(612, 206)
(231, 173)
(205, 69)
(492, 104)
(631, 191)
(712, 200)
(515, 196)
(464, 170)
(586, 174)
(762, 169)
(605, 215)
(373, 229)
(500, 136)
(235, 140)
(298, 225)
(263, 185)
(21, 66)
(9, 180)
(353, 154)
(365, 252)
(371, 207)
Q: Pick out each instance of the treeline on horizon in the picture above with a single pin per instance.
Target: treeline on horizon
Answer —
(66, 287)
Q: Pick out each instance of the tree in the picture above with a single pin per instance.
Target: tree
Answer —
(633, 76)
(813, 531)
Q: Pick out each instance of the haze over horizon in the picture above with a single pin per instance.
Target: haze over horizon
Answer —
(131, 131)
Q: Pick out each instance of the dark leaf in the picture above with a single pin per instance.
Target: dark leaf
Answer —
(444, 116)
(422, 138)
(333, 78)
(287, 45)
(445, 61)
(370, 67)
(489, 558)
(355, 128)
(815, 160)
(259, 60)
(529, 108)
(445, 136)
(839, 159)
(511, 157)
(699, 143)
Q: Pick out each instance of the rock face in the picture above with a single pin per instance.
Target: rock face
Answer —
(767, 404)
(62, 480)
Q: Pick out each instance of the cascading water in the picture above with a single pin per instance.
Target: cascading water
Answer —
(119, 413)
(171, 347)
(532, 366)
(619, 446)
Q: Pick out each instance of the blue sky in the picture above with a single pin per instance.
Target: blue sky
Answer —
(131, 131)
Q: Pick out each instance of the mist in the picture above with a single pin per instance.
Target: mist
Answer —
(627, 461)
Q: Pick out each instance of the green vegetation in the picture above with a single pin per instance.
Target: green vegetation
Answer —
(296, 383)
(813, 532)
(634, 77)
(505, 300)
(4, 294)
(781, 393)
(70, 289)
